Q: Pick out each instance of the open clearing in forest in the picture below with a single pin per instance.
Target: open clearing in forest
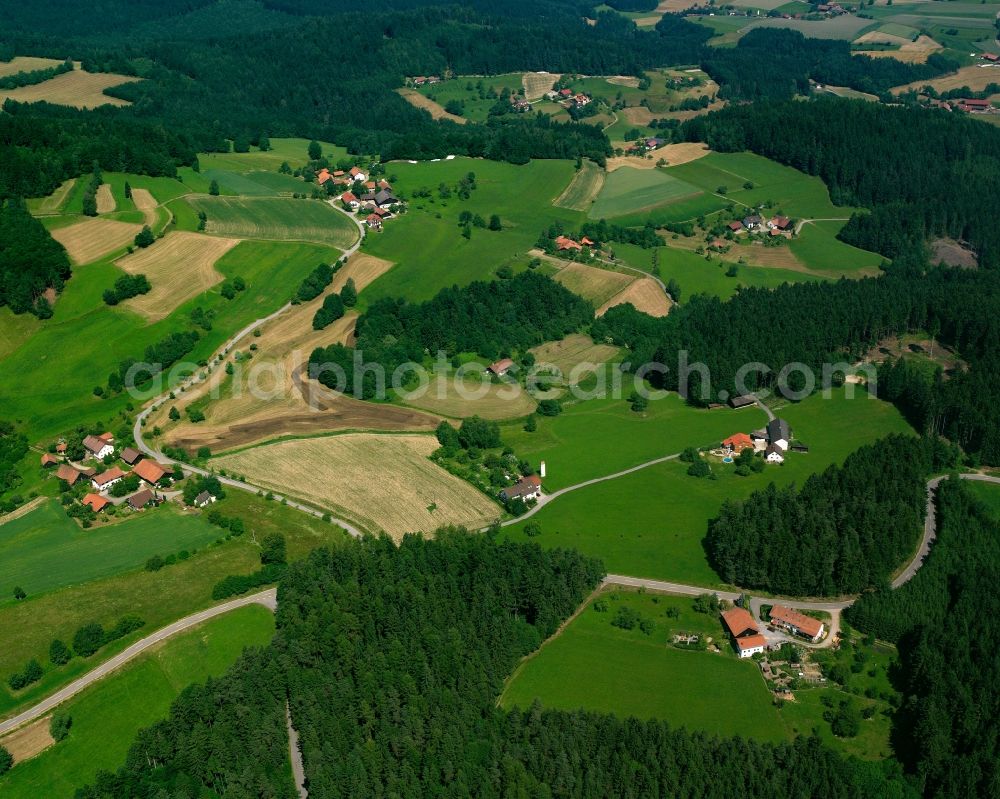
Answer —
(105, 200)
(645, 294)
(347, 474)
(78, 89)
(88, 240)
(575, 352)
(596, 666)
(586, 184)
(628, 190)
(276, 219)
(415, 98)
(179, 266)
(536, 84)
(54, 202)
(591, 282)
(23, 63)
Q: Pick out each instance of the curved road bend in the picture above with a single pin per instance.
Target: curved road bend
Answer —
(214, 363)
(266, 598)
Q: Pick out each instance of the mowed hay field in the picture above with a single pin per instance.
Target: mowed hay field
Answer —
(179, 266)
(385, 482)
(105, 199)
(26, 64)
(592, 283)
(54, 202)
(276, 219)
(473, 395)
(88, 240)
(415, 98)
(536, 84)
(363, 269)
(575, 356)
(645, 294)
(974, 78)
(583, 189)
(628, 190)
(146, 203)
(78, 88)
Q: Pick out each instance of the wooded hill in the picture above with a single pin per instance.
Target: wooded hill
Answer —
(392, 659)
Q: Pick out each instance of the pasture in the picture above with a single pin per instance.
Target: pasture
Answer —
(645, 294)
(107, 716)
(477, 95)
(818, 247)
(629, 191)
(592, 282)
(583, 189)
(45, 549)
(179, 266)
(276, 219)
(596, 437)
(91, 239)
(79, 89)
(521, 195)
(346, 474)
(595, 666)
(651, 523)
(158, 597)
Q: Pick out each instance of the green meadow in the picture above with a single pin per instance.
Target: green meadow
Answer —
(596, 666)
(159, 598)
(466, 90)
(818, 247)
(602, 436)
(276, 219)
(988, 494)
(426, 243)
(107, 716)
(45, 549)
(48, 380)
(294, 151)
(628, 191)
(651, 523)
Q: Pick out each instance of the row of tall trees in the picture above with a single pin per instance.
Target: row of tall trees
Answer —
(391, 659)
(846, 529)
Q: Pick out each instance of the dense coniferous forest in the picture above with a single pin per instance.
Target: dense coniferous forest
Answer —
(490, 319)
(925, 174)
(845, 530)
(946, 622)
(30, 260)
(778, 64)
(392, 659)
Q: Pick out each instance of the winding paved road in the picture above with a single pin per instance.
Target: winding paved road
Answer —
(266, 598)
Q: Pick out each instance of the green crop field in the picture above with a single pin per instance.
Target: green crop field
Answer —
(276, 218)
(601, 436)
(895, 29)
(294, 151)
(426, 243)
(628, 191)
(651, 523)
(107, 716)
(157, 597)
(255, 184)
(583, 189)
(596, 666)
(45, 549)
(49, 379)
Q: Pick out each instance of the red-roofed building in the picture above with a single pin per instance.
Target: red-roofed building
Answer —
(95, 502)
(68, 473)
(150, 471)
(61, 447)
(797, 623)
(735, 226)
(566, 92)
(49, 460)
(780, 223)
(564, 243)
(738, 442)
(105, 480)
(501, 367)
(989, 57)
(527, 488)
(746, 635)
(108, 437)
(323, 176)
(374, 221)
(587, 242)
(750, 645)
(357, 174)
(348, 199)
(974, 106)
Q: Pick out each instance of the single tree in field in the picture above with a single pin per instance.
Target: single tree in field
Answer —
(128, 190)
(174, 414)
(264, 143)
(89, 204)
(144, 237)
(213, 188)
(315, 151)
(495, 223)
(349, 294)
(6, 760)
(59, 653)
(19, 592)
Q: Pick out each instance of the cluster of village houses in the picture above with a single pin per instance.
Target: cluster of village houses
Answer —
(774, 441)
(151, 474)
(646, 145)
(362, 194)
(755, 223)
(748, 639)
(569, 98)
